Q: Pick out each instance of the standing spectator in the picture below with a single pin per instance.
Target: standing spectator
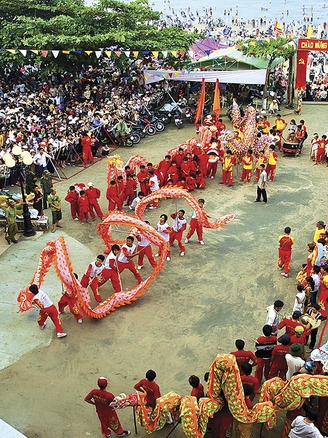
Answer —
(261, 184)
(73, 198)
(294, 360)
(273, 315)
(12, 228)
(93, 194)
(47, 308)
(303, 427)
(264, 346)
(299, 299)
(55, 206)
(285, 251)
(40, 159)
(102, 399)
(46, 184)
(38, 200)
(150, 387)
(320, 231)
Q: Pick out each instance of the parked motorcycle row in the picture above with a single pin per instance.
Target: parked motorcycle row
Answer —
(150, 123)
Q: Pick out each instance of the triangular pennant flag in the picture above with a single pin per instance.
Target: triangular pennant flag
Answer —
(164, 53)
(146, 77)
(127, 53)
(35, 51)
(118, 53)
(98, 53)
(165, 75)
(55, 53)
(174, 53)
(23, 52)
(88, 52)
(108, 53)
(135, 54)
(44, 53)
(190, 53)
(13, 51)
(155, 54)
(170, 74)
(176, 74)
(65, 52)
(182, 53)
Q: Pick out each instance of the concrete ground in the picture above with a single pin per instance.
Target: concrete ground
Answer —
(196, 308)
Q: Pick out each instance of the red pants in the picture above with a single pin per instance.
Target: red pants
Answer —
(129, 194)
(284, 260)
(146, 251)
(52, 312)
(177, 235)
(277, 371)
(71, 302)
(320, 155)
(271, 170)
(112, 203)
(96, 207)
(109, 420)
(131, 267)
(74, 210)
(87, 155)
(211, 169)
(195, 225)
(113, 276)
(93, 285)
(83, 215)
(144, 187)
(262, 364)
(246, 174)
(227, 177)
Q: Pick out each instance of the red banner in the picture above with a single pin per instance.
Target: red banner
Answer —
(310, 44)
(300, 81)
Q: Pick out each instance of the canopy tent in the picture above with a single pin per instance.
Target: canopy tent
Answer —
(205, 47)
(233, 59)
(249, 77)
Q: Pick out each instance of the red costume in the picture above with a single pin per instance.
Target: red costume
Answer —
(198, 392)
(93, 194)
(83, 208)
(90, 278)
(244, 356)
(253, 382)
(203, 160)
(278, 362)
(72, 197)
(143, 181)
(130, 188)
(200, 182)
(289, 324)
(107, 415)
(285, 252)
(120, 194)
(70, 300)
(144, 249)
(86, 149)
(125, 262)
(174, 174)
(152, 391)
(163, 168)
(110, 272)
(179, 225)
(111, 195)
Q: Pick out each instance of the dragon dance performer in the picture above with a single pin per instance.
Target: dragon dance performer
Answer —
(103, 401)
(69, 299)
(111, 270)
(195, 225)
(90, 278)
(129, 250)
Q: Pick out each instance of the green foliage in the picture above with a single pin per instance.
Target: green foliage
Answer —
(268, 48)
(70, 25)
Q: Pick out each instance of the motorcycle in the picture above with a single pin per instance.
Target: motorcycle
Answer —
(189, 115)
(178, 121)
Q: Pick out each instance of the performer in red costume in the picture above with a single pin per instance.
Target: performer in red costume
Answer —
(111, 195)
(111, 270)
(179, 225)
(86, 149)
(195, 225)
(129, 250)
(90, 278)
(72, 197)
(285, 251)
(93, 194)
(69, 299)
(109, 420)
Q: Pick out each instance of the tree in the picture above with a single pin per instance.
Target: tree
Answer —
(271, 49)
(70, 25)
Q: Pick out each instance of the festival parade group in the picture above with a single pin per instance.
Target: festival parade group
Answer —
(280, 351)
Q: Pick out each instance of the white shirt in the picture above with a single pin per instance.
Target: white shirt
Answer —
(41, 160)
(155, 185)
(130, 249)
(43, 298)
(143, 241)
(272, 318)
(294, 365)
(161, 228)
(178, 224)
(297, 305)
(301, 428)
(95, 270)
(111, 256)
(263, 179)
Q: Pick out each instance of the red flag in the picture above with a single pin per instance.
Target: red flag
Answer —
(216, 101)
(301, 69)
(201, 103)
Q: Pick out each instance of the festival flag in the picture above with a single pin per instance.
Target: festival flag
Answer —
(88, 52)
(216, 101)
(108, 53)
(136, 54)
(35, 51)
(12, 51)
(98, 53)
(155, 53)
(277, 29)
(55, 53)
(300, 80)
(65, 52)
(23, 52)
(44, 53)
(201, 103)
(309, 31)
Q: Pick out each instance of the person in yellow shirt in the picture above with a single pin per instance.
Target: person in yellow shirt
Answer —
(247, 166)
(272, 162)
(280, 123)
(227, 163)
(261, 159)
(320, 232)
